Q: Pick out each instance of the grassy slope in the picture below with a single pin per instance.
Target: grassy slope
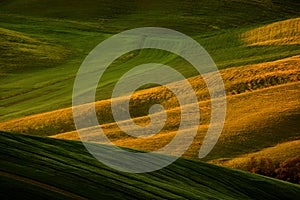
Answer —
(254, 115)
(225, 28)
(46, 87)
(254, 121)
(237, 80)
(277, 154)
(182, 16)
(32, 52)
(56, 168)
(277, 33)
(211, 23)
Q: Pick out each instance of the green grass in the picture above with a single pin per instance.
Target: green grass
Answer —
(32, 53)
(66, 165)
(188, 16)
(69, 33)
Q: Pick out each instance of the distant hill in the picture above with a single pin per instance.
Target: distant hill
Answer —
(188, 16)
(41, 79)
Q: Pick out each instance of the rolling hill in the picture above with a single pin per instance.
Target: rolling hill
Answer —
(277, 154)
(32, 52)
(255, 44)
(69, 33)
(254, 121)
(46, 168)
(116, 15)
(238, 80)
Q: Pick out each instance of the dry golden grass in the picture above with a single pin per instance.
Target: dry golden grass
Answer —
(254, 121)
(237, 80)
(278, 33)
(258, 120)
(276, 154)
(263, 110)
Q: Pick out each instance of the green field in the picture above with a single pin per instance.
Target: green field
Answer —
(43, 82)
(51, 168)
(255, 45)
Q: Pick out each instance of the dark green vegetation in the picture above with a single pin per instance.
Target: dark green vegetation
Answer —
(63, 32)
(46, 168)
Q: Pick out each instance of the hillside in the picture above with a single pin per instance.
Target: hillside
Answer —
(254, 119)
(115, 16)
(276, 154)
(277, 33)
(238, 80)
(29, 50)
(256, 47)
(68, 33)
(35, 167)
